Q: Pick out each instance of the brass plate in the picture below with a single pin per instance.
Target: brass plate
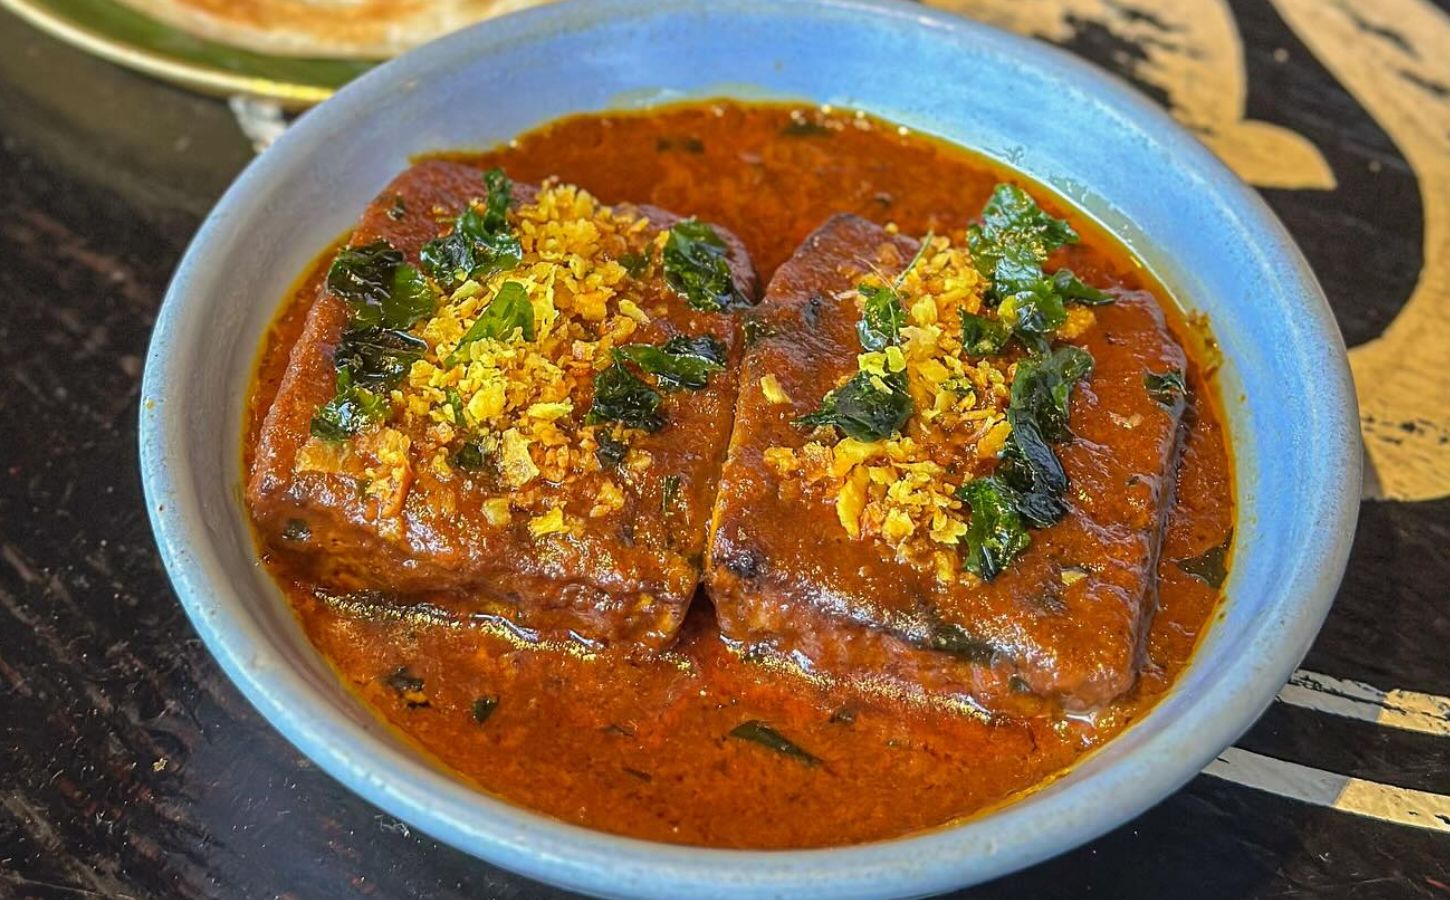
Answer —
(123, 36)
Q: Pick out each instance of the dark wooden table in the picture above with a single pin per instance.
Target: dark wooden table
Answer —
(130, 767)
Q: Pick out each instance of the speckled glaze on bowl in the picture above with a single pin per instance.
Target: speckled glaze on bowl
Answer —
(1291, 406)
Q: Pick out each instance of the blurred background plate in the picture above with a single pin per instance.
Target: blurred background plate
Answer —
(113, 32)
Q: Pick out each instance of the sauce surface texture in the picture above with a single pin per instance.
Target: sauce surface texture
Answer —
(683, 747)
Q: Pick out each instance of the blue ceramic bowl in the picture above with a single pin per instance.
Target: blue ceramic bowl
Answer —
(1291, 406)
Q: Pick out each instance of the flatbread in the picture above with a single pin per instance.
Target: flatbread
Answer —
(351, 29)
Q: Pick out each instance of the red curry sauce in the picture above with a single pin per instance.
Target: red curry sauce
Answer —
(641, 746)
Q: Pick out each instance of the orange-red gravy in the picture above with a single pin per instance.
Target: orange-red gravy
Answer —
(640, 746)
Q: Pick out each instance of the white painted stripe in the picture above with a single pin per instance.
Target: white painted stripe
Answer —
(1385, 802)
(1405, 710)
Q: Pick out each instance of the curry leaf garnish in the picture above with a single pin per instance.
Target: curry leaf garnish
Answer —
(380, 289)
(996, 534)
(484, 707)
(982, 336)
(758, 732)
(610, 450)
(756, 330)
(1031, 468)
(363, 278)
(508, 313)
(1074, 290)
(696, 267)
(378, 357)
(480, 242)
(1036, 311)
(471, 456)
(351, 409)
(1011, 246)
(408, 686)
(882, 318)
(1042, 388)
(635, 264)
(1030, 483)
(621, 396)
(683, 362)
(1167, 388)
(1210, 566)
(867, 407)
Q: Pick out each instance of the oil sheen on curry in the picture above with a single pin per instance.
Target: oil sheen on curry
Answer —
(741, 475)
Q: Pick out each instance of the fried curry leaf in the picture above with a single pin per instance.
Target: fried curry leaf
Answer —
(1031, 469)
(1036, 311)
(1074, 290)
(867, 407)
(480, 243)
(351, 409)
(1210, 566)
(378, 357)
(620, 396)
(610, 450)
(483, 708)
(756, 330)
(1042, 388)
(758, 732)
(983, 336)
(472, 456)
(683, 362)
(508, 313)
(1167, 388)
(882, 318)
(696, 267)
(408, 686)
(380, 289)
(363, 278)
(1011, 246)
(1012, 210)
(996, 534)
(635, 264)
(496, 205)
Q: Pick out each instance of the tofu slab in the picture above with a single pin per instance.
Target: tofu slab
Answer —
(1063, 625)
(625, 575)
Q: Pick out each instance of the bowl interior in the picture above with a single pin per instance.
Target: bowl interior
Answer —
(1209, 239)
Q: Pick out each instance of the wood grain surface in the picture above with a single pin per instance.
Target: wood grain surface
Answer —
(129, 766)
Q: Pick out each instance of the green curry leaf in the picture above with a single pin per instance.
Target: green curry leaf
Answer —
(996, 534)
(1032, 469)
(378, 357)
(351, 409)
(620, 396)
(1210, 566)
(1042, 388)
(1167, 388)
(983, 336)
(507, 314)
(697, 268)
(867, 407)
(757, 732)
(882, 318)
(683, 362)
(481, 242)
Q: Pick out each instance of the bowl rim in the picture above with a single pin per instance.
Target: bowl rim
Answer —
(579, 858)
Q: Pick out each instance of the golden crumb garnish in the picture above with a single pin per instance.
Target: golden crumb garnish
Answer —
(902, 491)
(517, 399)
(770, 387)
